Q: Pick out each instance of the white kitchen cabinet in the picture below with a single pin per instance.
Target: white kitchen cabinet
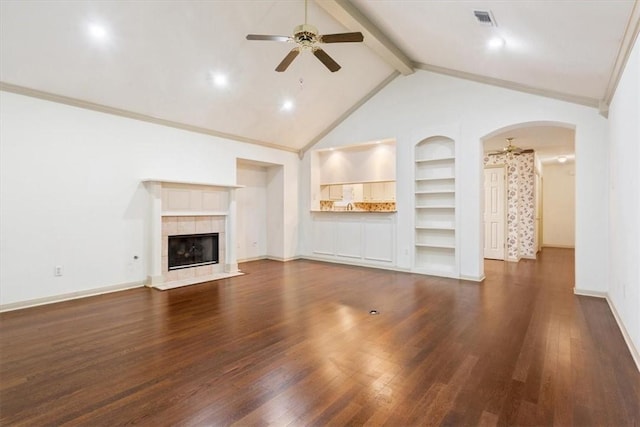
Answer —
(379, 191)
(331, 192)
(335, 192)
(358, 238)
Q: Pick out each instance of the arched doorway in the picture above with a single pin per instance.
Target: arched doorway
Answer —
(539, 147)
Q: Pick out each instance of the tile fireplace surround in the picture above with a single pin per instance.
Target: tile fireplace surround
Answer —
(181, 208)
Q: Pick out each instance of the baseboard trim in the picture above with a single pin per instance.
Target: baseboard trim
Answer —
(627, 338)
(356, 264)
(588, 293)
(269, 257)
(71, 296)
(256, 258)
(559, 246)
(635, 355)
(275, 258)
(476, 279)
(473, 278)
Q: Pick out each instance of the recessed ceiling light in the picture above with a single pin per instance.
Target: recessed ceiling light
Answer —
(562, 159)
(287, 105)
(495, 43)
(220, 80)
(98, 32)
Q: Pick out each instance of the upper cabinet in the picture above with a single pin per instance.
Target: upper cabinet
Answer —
(360, 192)
(379, 191)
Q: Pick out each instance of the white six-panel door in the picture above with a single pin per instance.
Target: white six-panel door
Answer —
(494, 213)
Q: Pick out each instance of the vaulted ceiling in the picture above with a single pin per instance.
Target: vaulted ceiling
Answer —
(165, 61)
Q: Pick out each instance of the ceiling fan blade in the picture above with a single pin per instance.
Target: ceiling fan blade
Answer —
(326, 60)
(288, 60)
(528, 150)
(268, 38)
(341, 38)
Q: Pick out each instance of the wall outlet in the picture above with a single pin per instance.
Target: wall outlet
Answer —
(57, 271)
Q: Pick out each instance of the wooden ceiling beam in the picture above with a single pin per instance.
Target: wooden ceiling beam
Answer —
(349, 16)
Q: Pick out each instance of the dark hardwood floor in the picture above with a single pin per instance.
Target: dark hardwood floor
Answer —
(294, 344)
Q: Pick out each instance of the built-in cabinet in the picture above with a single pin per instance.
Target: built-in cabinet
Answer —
(360, 192)
(364, 238)
(379, 191)
(435, 207)
(331, 192)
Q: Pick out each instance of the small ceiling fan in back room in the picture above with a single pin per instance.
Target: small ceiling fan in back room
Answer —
(511, 149)
(306, 37)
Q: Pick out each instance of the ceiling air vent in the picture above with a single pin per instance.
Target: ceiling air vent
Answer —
(485, 17)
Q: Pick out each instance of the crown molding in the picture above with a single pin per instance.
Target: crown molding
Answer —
(575, 99)
(74, 102)
(347, 113)
(628, 41)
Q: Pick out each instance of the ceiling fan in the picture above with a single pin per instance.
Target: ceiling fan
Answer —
(510, 149)
(306, 37)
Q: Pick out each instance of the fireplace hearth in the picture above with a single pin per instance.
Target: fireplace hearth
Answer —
(192, 250)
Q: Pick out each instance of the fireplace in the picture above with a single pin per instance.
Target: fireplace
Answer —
(192, 250)
(198, 221)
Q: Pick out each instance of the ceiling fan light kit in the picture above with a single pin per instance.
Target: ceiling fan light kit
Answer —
(510, 149)
(306, 37)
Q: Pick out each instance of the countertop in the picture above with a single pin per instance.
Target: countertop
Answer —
(350, 211)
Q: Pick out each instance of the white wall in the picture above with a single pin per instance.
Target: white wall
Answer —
(624, 201)
(424, 104)
(251, 212)
(363, 163)
(278, 233)
(70, 193)
(558, 205)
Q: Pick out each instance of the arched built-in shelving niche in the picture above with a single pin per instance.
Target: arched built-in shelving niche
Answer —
(435, 207)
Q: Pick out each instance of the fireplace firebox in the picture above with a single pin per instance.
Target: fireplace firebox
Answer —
(192, 250)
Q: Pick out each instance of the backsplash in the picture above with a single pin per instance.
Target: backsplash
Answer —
(376, 207)
(328, 205)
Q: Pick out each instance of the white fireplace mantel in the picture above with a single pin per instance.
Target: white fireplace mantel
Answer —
(174, 198)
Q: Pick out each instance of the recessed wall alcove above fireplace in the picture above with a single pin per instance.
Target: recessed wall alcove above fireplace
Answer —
(192, 233)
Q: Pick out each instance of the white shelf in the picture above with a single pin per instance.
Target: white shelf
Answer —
(441, 178)
(436, 192)
(435, 210)
(435, 227)
(430, 245)
(439, 159)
